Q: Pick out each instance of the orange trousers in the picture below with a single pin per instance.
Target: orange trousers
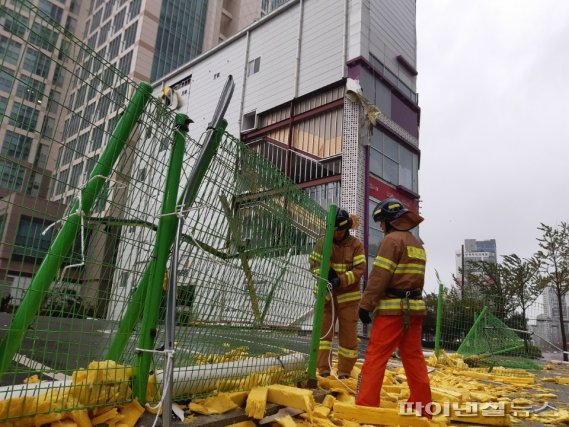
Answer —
(386, 335)
(347, 315)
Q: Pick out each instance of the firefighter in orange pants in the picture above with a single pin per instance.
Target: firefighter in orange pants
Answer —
(393, 292)
(347, 265)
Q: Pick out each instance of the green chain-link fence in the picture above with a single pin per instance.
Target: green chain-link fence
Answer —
(90, 199)
(490, 330)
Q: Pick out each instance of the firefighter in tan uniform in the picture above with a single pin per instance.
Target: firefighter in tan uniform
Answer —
(347, 265)
(393, 293)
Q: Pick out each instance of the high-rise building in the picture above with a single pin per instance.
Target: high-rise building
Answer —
(474, 251)
(551, 312)
(32, 86)
(143, 39)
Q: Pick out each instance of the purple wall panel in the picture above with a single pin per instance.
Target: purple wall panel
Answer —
(404, 116)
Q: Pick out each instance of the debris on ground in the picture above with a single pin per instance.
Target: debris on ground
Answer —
(103, 387)
(461, 394)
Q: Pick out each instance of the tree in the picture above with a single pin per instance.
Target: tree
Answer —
(485, 281)
(521, 277)
(554, 259)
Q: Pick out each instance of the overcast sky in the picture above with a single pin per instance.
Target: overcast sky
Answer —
(493, 89)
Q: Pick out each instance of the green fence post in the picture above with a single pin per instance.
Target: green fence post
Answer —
(165, 235)
(472, 330)
(439, 320)
(321, 295)
(65, 239)
(134, 308)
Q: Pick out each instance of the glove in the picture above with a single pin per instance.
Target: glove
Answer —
(364, 316)
(335, 282)
(333, 278)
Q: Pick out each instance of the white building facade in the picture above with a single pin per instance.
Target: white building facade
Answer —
(326, 90)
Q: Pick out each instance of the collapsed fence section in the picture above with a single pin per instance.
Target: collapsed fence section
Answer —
(85, 155)
(245, 295)
(491, 330)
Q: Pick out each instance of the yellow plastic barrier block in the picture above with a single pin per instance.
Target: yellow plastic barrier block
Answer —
(321, 411)
(213, 405)
(64, 423)
(132, 413)
(238, 397)
(377, 416)
(243, 424)
(291, 396)
(285, 422)
(329, 401)
(256, 403)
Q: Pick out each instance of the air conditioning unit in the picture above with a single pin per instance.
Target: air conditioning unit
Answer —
(249, 122)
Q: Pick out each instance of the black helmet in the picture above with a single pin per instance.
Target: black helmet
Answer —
(343, 220)
(388, 210)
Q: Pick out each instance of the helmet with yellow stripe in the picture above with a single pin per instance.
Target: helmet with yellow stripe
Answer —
(393, 212)
(343, 220)
(388, 210)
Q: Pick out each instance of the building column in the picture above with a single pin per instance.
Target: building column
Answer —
(355, 136)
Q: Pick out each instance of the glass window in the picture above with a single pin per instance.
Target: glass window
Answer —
(103, 34)
(415, 173)
(31, 241)
(24, 117)
(114, 46)
(6, 80)
(3, 105)
(51, 10)
(130, 35)
(375, 236)
(30, 89)
(16, 146)
(92, 41)
(75, 174)
(392, 78)
(88, 115)
(43, 37)
(108, 10)
(71, 24)
(36, 62)
(11, 22)
(125, 63)
(80, 97)
(9, 50)
(58, 75)
(118, 22)
(390, 148)
(133, 9)
(377, 140)
(96, 138)
(103, 107)
(254, 66)
(96, 20)
(11, 175)
(405, 168)
(62, 182)
(81, 148)
(375, 162)
(390, 171)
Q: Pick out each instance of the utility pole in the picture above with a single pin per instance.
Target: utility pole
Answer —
(463, 273)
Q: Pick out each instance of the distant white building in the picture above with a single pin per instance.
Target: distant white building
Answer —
(474, 251)
(551, 312)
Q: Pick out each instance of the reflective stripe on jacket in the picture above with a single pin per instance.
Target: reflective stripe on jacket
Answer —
(349, 261)
(400, 263)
